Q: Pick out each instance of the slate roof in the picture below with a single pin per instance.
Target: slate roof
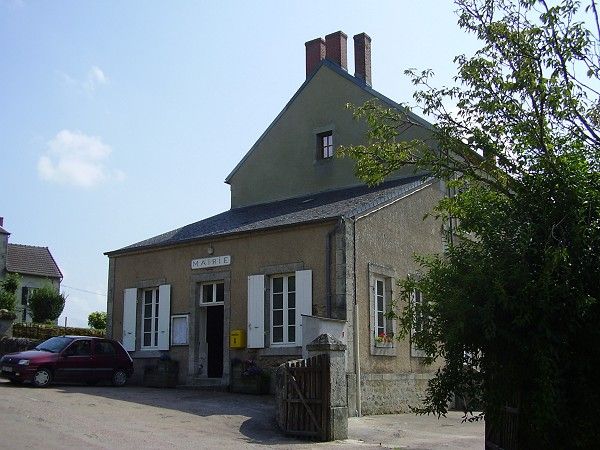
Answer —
(323, 206)
(3, 231)
(31, 260)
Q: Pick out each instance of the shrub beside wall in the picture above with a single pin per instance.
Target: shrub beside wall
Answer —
(12, 345)
(43, 332)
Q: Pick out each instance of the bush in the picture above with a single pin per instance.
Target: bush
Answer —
(97, 320)
(46, 304)
(8, 288)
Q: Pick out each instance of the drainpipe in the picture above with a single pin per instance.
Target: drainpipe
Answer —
(328, 262)
(356, 328)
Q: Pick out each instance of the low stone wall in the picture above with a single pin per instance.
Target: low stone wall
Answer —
(392, 393)
(13, 345)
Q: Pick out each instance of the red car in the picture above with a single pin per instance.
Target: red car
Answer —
(70, 359)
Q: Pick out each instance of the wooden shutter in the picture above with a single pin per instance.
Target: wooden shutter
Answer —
(129, 319)
(164, 315)
(303, 299)
(256, 311)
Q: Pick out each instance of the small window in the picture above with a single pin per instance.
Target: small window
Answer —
(325, 145)
(179, 330)
(212, 293)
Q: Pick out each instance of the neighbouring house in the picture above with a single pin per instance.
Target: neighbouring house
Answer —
(305, 248)
(35, 265)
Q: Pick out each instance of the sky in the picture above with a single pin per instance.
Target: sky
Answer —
(120, 120)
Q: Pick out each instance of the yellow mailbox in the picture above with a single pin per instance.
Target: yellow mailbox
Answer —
(237, 339)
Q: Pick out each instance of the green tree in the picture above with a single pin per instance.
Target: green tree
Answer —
(8, 289)
(512, 306)
(46, 304)
(97, 320)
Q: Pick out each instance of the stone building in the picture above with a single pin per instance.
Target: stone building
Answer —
(305, 248)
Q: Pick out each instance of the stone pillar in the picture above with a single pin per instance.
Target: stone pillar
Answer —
(338, 404)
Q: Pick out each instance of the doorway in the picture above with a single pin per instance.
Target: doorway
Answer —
(214, 341)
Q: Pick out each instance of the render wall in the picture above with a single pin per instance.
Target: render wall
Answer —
(33, 282)
(386, 240)
(285, 157)
(284, 250)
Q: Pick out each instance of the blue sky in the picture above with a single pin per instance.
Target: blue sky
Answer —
(121, 120)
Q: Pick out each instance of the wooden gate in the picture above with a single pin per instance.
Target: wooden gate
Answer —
(306, 397)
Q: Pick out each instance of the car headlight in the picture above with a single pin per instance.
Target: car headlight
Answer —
(23, 362)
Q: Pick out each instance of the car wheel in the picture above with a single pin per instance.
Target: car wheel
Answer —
(119, 378)
(42, 378)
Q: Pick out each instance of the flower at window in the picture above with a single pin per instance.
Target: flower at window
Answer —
(384, 338)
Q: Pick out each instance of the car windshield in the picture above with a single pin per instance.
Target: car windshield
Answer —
(54, 344)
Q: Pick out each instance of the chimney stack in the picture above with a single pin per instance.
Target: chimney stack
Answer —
(315, 53)
(337, 48)
(1, 221)
(362, 57)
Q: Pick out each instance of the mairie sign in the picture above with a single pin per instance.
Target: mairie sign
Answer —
(213, 261)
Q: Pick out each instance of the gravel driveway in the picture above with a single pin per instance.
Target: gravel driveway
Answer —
(137, 417)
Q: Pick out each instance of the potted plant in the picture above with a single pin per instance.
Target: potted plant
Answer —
(247, 377)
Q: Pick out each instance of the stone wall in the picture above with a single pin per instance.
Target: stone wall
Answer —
(388, 393)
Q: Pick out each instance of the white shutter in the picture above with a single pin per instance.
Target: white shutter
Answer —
(129, 319)
(303, 299)
(414, 350)
(164, 315)
(256, 311)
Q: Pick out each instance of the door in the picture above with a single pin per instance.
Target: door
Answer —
(104, 360)
(75, 362)
(214, 340)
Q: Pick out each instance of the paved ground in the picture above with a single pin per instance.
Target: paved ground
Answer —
(137, 417)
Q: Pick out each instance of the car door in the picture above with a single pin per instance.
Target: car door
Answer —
(75, 362)
(104, 357)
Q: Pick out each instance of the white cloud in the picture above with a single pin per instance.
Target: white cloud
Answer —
(94, 78)
(77, 159)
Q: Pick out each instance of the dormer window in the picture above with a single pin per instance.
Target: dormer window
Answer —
(325, 145)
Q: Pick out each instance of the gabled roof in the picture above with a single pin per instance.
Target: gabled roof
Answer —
(31, 260)
(3, 231)
(323, 206)
(357, 81)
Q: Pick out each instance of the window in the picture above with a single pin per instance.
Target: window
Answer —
(146, 317)
(104, 348)
(179, 330)
(151, 300)
(283, 309)
(213, 293)
(325, 145)
(384, 334)
(417, 300)
(80, 348)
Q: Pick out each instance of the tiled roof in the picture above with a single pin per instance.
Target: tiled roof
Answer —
(31, 260)
(319, 207)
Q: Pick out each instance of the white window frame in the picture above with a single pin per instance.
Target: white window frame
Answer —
(416, 297)
(154, 343)
(214, 288)
(187, 328)
(286, 311)
(377, 311)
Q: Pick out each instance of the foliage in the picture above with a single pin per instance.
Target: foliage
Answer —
(5, 314)
(97, 320)
(40, 331)
(8, 289)
(46, 304)
(512, 305)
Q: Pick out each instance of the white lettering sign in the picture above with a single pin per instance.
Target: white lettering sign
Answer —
(213, 261)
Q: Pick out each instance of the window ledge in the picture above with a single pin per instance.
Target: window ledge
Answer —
(280, 351)
(151, 353)
(383, 350)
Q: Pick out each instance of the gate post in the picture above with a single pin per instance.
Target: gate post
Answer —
(338, 399)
